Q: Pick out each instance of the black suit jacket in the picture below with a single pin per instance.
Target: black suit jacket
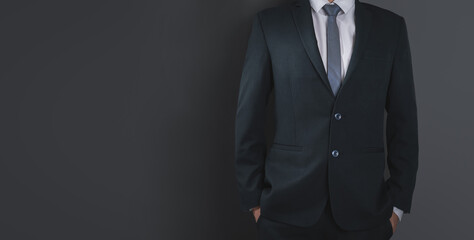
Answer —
(293, 179)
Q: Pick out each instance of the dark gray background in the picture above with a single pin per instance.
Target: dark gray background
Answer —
(117, 118)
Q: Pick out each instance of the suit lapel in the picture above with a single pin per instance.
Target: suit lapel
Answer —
(301, 11)
(304, 23)
(363, 24)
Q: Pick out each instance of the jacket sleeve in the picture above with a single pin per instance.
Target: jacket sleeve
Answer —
(250, 146)
(401, 126)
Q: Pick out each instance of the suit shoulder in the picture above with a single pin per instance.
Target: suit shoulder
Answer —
(383, 12)
(275, 12)
(384, 17)
(275, 17)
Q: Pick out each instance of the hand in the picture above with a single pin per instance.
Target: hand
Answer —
(394, 221)
(256, 213)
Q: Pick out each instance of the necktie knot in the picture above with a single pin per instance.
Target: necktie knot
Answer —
(331, 9)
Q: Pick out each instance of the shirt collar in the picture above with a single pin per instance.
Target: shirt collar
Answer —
(345, 5)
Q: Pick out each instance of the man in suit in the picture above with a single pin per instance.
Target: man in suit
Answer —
(335, 67)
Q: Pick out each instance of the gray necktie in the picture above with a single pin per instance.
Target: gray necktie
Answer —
(333, 46)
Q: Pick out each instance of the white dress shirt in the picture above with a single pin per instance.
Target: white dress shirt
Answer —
(346, 24)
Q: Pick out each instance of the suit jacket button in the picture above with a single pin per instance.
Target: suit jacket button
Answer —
(337, 116)
(335, 153)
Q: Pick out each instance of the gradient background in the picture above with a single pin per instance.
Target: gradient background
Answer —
(117, 118)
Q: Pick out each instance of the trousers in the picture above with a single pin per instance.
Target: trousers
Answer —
(325, 229)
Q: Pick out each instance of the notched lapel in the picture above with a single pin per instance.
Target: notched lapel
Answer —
(363, 24)
(301, 11)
